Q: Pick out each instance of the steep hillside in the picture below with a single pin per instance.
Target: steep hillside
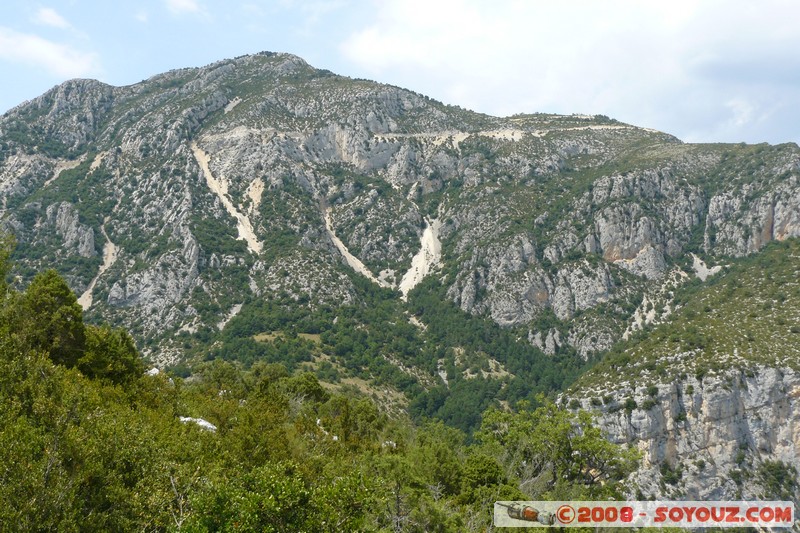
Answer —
(713, 396)
(441, 259)
(261, 175)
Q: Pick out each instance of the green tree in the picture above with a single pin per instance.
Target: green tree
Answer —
(111, 354)
(270, 498)
(7, 245)
(557, 453)
(52, 319)
(438, 455)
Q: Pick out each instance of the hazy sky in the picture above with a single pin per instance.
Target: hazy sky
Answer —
(703, 70)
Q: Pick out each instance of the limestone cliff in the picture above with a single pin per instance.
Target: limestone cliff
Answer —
(538, 214)
(712, 395)
(709, 438)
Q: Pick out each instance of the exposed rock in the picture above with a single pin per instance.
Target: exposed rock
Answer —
(65, 219)
(648, 263)
(538, 214)
(549, 344)
(708, 429)
(701, 270)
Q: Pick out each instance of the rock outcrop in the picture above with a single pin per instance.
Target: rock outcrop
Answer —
(76, 237)
(708, 438)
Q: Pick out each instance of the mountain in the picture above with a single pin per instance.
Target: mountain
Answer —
(440, 259)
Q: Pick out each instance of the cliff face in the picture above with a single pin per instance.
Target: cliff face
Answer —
(712, 396)
(710, 439)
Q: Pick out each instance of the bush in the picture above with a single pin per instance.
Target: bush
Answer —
(740, 457)
(778, 479)
(110, 354)
(671, 476)
(629, 405)
(52, 320)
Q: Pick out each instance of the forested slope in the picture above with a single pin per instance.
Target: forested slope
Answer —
(90, 442)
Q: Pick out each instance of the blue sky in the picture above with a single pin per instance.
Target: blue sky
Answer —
(703, 70)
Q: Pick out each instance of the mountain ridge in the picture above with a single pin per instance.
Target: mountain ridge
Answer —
(245, 199)
(637, 255)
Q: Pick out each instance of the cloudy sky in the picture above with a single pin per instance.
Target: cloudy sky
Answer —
(703, 70)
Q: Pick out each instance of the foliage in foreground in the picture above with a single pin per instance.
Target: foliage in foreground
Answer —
(89, 442)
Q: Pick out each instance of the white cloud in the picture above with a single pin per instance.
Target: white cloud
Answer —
(180, 7)
(60, 60)
(47, 16)
(668, 65)
(742, 111)
(316, 11)
(142, 16)
(529, 54)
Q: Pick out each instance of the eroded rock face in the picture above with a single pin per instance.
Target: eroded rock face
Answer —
(742, 222)
(22, 173)
(539, 216)
(64, 219)
(73, 111)
(707, 437)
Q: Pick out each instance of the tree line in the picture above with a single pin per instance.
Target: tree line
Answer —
(91, 442)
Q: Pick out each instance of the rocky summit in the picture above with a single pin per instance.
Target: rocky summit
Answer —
(225, 211)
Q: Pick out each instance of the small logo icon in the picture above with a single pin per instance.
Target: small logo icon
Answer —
(565, 514)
